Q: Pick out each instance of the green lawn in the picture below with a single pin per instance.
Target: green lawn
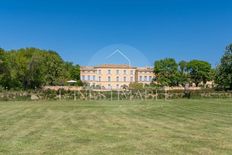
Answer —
(112, 127)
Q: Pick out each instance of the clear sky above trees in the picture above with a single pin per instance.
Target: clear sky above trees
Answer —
(182, 29)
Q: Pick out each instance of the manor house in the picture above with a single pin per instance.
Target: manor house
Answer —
(112, 76)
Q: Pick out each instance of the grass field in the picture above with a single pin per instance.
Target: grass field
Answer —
(112, 127)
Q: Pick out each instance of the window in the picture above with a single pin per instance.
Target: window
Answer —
(131, 72)
(88, 78)
(117, 86)
(109, 79)
(145, 78)
(99, 71)
(140, 78)
(117, 79)
(124, 79)
(83, 77)
(124, 71)
(93, 77)
(150, 78)
(131, 79)
(117, 71)
(109, 71)
(109, 86)
(99, 79)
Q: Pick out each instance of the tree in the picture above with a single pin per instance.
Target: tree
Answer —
(212, 74)
(30, 68)
(199, 71)
(224, 70)
(75, 72)
(53, 65)
(1, 60)
(1, 52)
(166, 71)
(2, 66)
(183, 66)
(71, 72)
(183, 72)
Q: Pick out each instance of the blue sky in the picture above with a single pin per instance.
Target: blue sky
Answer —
(182, 29)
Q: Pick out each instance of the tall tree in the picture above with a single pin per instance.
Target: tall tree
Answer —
(71, 72)
(2, 66)
(199, 71)
(166, 71)
(224, 70)
(30, 68)
(75, 72)
(53, 65)
(183, 72)
(1, 60)
(9, 74)
(183, 66)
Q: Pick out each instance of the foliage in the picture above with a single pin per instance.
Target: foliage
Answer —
(30, 68)
(183, 67)
(166, 71)
(2, 52)
(199, 71)
(224, 70)
(183, 73)
(169, 73)
(54, 69)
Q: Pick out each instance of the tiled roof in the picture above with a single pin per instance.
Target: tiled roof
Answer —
(123, 66)
(87, 68)
(150, 69)
(115, 66)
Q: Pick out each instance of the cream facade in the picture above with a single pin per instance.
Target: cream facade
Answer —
(109, 76)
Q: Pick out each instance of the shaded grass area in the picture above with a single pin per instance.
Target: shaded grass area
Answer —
(116, 127)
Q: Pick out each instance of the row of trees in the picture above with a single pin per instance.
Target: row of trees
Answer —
(171, 73)
(31, 68)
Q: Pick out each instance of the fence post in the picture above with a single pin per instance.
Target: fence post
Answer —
(145, 96)
(156, 95)
(75, 98)
(59, 94)
(165, 94)
(111, 95)
(90, 94)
